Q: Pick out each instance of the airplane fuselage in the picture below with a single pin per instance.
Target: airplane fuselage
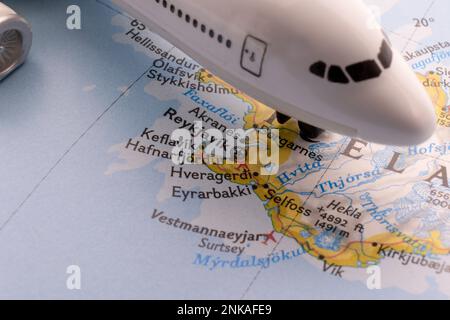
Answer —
(326, 63)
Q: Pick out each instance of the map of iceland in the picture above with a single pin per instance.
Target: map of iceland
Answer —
(344, 201)
(101, 190)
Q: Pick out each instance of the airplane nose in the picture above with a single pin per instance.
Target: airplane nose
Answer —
(403, 113)
(420, 124)
(419, 121)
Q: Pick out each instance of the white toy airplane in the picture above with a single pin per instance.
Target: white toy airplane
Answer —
(321, 61)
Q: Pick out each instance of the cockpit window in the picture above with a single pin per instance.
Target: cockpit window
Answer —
(386, 37)
(385, 56)
(365, 70)
(337, 75)
(360, 71)
(318, 69)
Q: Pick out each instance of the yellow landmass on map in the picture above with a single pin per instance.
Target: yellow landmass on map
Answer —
(289, 222)
(438, 96)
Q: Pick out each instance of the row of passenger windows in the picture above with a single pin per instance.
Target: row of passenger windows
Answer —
(358, 72)
(195, 22)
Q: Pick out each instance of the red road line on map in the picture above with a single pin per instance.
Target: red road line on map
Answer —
(390, 244)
